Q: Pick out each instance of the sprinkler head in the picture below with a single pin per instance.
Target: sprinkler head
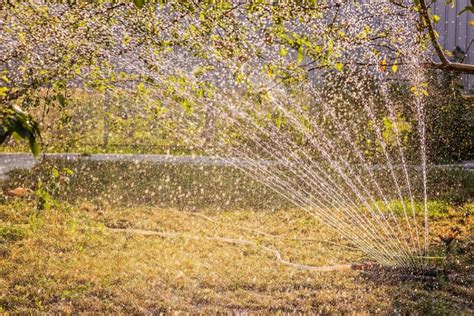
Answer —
(366, 266)
(448, 237)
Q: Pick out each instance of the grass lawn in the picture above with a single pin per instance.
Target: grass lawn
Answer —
(98, 258)
(141, 238)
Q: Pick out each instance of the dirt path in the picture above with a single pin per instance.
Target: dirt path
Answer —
(10, 161)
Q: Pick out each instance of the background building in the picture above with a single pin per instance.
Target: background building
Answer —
(454, 30)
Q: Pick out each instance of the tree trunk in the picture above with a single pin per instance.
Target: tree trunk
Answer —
(208, 124)
(106, 108)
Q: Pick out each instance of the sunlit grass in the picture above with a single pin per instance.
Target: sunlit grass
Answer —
(67, 259)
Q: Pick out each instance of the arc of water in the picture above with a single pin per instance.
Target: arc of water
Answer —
(291, 182)
(392, 116)
(272, 153)
(421, 127)
(324, 214)
(312, 203)
(309, 176)
(338, 169)
(297, 198)
(378, 134)
(368, 169)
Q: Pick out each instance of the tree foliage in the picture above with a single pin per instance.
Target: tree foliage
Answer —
(19, 124)
(138, 47)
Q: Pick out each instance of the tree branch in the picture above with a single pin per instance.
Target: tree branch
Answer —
(462, 68)
(445, 64)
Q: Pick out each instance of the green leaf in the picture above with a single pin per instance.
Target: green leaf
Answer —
(436, 18)
(239, 77)
(139, 3)
(187, 105)
(3, 91)
(300, 56)
(35, 148)
(55, 172)
(61, 99)
(16, 136)
(68, 171)
(77, 70)
(20, 125)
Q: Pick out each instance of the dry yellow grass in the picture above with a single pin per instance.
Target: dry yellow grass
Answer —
(67, 260)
